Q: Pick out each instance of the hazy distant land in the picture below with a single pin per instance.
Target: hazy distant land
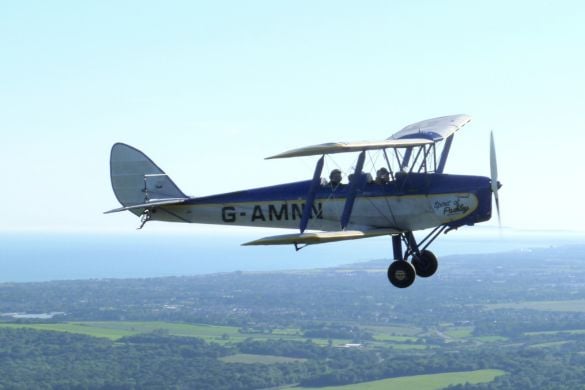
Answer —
(507, 320)
(38, 256)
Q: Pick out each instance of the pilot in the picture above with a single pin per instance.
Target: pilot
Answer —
(382, 176)
(335, 177)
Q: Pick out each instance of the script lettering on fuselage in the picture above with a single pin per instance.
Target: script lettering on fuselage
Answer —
(271, 212)
(451, 207)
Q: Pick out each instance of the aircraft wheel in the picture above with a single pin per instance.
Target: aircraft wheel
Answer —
(401, 274)
(426, 264)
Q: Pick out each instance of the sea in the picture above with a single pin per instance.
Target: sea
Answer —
(43, 256)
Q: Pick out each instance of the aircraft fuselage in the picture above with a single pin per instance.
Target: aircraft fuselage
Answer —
(411, 202)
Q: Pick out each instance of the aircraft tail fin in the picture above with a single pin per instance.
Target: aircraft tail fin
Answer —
(137, 180)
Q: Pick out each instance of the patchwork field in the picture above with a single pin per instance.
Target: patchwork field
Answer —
(117, 329)
(575, 306)
(424, 382)
(554, 332)
(80, 328)
(221, 334)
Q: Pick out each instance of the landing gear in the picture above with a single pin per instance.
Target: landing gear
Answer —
(401, 274)
(423, 262)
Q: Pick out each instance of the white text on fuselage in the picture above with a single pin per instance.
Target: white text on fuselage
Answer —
(281, 212)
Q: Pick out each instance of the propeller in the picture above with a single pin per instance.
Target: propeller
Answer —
(495, 184)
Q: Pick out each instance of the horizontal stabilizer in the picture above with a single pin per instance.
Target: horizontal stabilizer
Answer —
(154, 203)
(321, 237)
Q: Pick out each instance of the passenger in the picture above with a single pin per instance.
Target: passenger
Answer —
(382, 176)
(335, 177)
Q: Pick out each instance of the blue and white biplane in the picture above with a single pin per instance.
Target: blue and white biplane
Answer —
(409, 193)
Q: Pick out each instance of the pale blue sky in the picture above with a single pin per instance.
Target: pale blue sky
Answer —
(208, 89)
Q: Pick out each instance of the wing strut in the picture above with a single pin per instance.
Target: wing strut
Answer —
(445, 153)
(315, 183)
(356, 183)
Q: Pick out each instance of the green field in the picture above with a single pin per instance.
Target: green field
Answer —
(394, 330)
(459, 332)
(247, 358)
(382, 338)
(553, 332)
(424, 382)
(490, 339)
(577, 306)
(385, 336)
(115, 330)
(118, 329)
(75, 327)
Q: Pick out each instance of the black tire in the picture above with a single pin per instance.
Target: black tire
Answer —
(401, 274)
(426, 264)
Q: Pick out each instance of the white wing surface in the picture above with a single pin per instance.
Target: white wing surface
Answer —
(321, 237)
(420, 133)
(345, 147)
(435, 129)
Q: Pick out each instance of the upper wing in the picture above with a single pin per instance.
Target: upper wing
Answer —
(344, 147)
(321, 237)
(417, 134)
(435, 129)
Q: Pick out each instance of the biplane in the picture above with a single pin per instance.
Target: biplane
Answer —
(411, 192)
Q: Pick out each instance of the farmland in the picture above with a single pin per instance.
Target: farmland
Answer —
(323, 328)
